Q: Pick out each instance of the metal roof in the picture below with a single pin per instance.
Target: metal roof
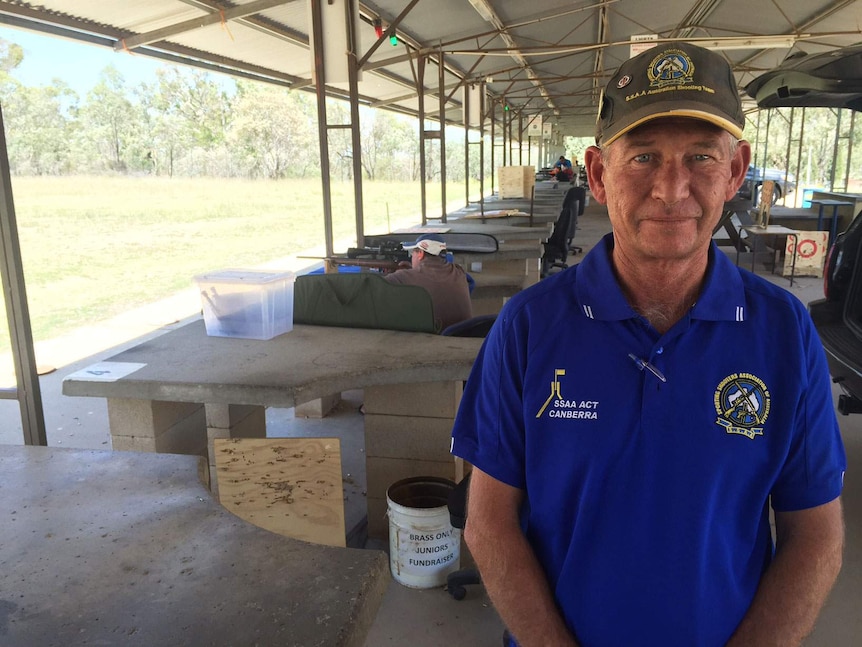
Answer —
(541, 57)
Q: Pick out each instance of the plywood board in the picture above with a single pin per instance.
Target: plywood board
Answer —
(516, 181)
(291, 486)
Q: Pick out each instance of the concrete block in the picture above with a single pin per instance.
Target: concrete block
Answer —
(227, 416)
(129, 417)
(424, 399)
(318, 408)
(134, 420)
(378, 521)
(417, 438)
(133, 444)
(518, 267)
(188, 436)
(534, 272)
(381, 473)
(238, 416)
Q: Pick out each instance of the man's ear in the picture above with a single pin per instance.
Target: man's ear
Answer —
(595, 168)
(738, 168)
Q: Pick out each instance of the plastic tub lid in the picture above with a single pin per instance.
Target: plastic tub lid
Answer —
(244, 276)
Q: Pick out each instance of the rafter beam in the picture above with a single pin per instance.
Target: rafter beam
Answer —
(484, 9)
(197, 23)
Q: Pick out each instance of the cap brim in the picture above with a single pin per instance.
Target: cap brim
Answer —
(674, 111)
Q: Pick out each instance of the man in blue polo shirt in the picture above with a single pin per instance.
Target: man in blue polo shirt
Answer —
(562, 170)
(632, 420)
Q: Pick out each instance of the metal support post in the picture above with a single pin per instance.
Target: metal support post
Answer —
(27, 392)
(441, 93)
(420, 89)
(466, 111)
(323, 129)
(520, 138)
(493, 112)
(356, 139)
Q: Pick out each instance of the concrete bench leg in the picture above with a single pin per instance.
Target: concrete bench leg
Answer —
(318, 408)
(488, 305)
(231, 421)
(155, 426)
(407, 432)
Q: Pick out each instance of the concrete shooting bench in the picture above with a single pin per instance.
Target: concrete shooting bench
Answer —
(128, 548)
(500, 275)
(511, 264)
(180, 391)
(502, 232)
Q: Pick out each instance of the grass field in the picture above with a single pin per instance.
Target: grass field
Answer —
(94, 247)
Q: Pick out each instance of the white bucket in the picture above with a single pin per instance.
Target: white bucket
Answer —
(423, 546)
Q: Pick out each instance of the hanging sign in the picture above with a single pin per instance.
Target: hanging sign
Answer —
(641, 43)
(534, 128)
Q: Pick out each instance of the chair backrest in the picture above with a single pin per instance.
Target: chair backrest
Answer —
(362, 300)
(574, 201)
(457, 503)
(557, 245)
(477, 326)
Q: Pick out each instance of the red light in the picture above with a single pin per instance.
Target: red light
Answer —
(378, 28)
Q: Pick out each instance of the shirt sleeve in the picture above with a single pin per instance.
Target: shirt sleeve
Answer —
(813, 473)
(489, 430)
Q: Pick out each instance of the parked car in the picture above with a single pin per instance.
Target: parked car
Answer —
(833, 80)
(754, 179)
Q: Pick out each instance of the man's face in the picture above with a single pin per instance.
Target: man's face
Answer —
(416, 256)
(665, 184)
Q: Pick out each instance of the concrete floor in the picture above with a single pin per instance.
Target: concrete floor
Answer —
(429, 618)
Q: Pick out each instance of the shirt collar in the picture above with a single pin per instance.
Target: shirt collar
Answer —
(600, 296)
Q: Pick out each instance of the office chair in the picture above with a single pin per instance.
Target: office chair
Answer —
(457, 504)
(556, 248)
(457, 581)
(477, 326)
(576, 199)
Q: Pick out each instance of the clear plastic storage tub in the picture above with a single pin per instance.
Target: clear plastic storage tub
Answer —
(250, 304)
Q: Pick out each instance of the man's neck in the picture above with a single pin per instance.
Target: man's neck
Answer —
(661, 292)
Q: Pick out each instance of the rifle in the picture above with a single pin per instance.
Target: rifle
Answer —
(386, 250)
(384, 264)
(388, 257)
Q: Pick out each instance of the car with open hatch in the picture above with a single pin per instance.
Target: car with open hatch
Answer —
(829, 80)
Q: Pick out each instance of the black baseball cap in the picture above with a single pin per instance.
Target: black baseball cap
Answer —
(675, 79)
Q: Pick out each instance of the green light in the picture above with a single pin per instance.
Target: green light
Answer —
(506, 107)
(393, 40)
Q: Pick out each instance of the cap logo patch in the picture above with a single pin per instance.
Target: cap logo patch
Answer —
(671, 67)
(624, 81)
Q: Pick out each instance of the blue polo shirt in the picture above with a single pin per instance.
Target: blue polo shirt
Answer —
(647, 500)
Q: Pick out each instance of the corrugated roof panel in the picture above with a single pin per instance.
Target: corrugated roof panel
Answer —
(545, 51)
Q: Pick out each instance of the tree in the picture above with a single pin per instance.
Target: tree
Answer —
(40, 125)
(107, 121)
(188, 115)
(273, 131)
(389, 146)
(202, 106)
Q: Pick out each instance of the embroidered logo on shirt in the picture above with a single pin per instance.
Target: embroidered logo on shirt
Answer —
(742, 403)
(557, 406)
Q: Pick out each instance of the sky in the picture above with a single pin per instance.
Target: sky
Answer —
(78, 64)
